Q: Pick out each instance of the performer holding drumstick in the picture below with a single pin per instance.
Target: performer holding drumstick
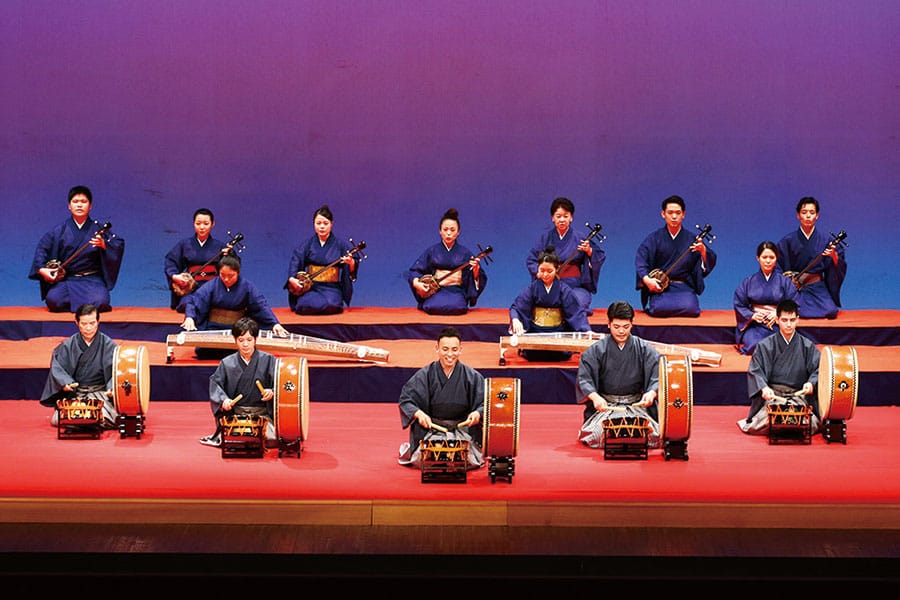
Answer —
(618, 374)
(243, 383)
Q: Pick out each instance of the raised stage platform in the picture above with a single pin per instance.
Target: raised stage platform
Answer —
(29, 334)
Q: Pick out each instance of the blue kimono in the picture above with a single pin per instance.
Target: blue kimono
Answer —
(233, 376)
(582, 273)
(449, 299)
(757, 290)
(89, 277)
(681, 298)
(560, 296)
(821, 299)
(325, 297)
(242, 297)
(186, 254)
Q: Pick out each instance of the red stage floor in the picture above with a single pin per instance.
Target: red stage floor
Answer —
(347, 475)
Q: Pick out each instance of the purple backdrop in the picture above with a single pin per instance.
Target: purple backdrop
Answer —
(391, 112)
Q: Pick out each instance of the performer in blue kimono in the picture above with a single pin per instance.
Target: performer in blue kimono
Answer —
(547, 305)
(234, 387)
(456, 292)
(192, 261)
(756, 297)
(618, 376)
(820, 294)
(660, 250)
(784, 368)
(222, 301)
(82, 367)
(443, 400)
(94, 259)
(332, 264)
(582, 272)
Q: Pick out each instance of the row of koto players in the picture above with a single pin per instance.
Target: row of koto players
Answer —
(77, 264)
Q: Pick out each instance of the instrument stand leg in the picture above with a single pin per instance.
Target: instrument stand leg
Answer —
(834, 431)
(287, 448)
(130, 425)
(501, 466)
(673, 449)
(614, 450)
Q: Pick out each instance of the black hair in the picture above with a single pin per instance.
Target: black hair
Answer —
(451, 332)
(620, 310)
(674, 200)
(86, 309)
(325, 212)
(451, 214)
(808, 200)
(81, 189)
(244, 325)
(562, 203)
(767, 245)
(787, 306)
(204, 211)
(229, 260)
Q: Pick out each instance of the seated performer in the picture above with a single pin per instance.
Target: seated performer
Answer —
(618, 376)
(224, 300)
(756, 297)
(82, 367)
(93, 259)
(241, 374)
(661, 250)
(547, 305)
(583, 270)
(820, 296)
(332, 287)
(458, 291)
(183, 262)
(783, 367)
(447, 394)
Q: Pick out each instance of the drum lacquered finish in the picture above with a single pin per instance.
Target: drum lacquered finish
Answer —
(500, 429)
(131, 389)
(676, 398)
(291, 399)
(838, 376)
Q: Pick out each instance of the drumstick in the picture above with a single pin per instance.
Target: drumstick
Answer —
(619, 408)
(260, 386)
(439, 428)
(237, 399)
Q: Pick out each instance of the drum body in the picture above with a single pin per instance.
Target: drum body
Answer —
(131, 381)
(838, 377)
(676, 398)
(629, 428)
(500, 431)
(291, 399)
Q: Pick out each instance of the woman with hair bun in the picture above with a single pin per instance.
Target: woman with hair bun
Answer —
(437, 289)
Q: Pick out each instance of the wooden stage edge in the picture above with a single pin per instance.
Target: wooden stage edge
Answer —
(406, 513)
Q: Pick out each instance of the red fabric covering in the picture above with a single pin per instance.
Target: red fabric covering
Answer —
(350, 455)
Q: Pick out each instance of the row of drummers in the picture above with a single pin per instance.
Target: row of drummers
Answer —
(627, 436)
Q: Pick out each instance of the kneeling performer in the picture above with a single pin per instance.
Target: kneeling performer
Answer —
(242, 384)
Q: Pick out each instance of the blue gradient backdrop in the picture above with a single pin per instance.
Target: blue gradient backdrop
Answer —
(393, 111)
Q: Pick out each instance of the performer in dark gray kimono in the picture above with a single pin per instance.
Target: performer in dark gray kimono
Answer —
(618, 376)
(82, 367)
(445, 394)
(242, 374)
(784, 367)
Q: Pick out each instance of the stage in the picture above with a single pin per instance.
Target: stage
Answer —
(164, 507)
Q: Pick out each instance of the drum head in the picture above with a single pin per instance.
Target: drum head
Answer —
(500, 429)
(838, 377)
(676, 397)
(291, 398)
(131, 379)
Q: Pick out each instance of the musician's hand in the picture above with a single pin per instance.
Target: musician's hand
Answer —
(585, 246)
(294, 286)
(188, 324)
(109, 393)
(599, 401)
(279, 330)
(700, 247)
(647, 399)
(98, 241)
(69, 387)
(767, 393)
(651, 283)
(473, 419)
(475, 263)
(517, 327)
(807, 389)
(228, 404)
(421, 288)
(49, 275)
(268, 394)
(423, 419)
